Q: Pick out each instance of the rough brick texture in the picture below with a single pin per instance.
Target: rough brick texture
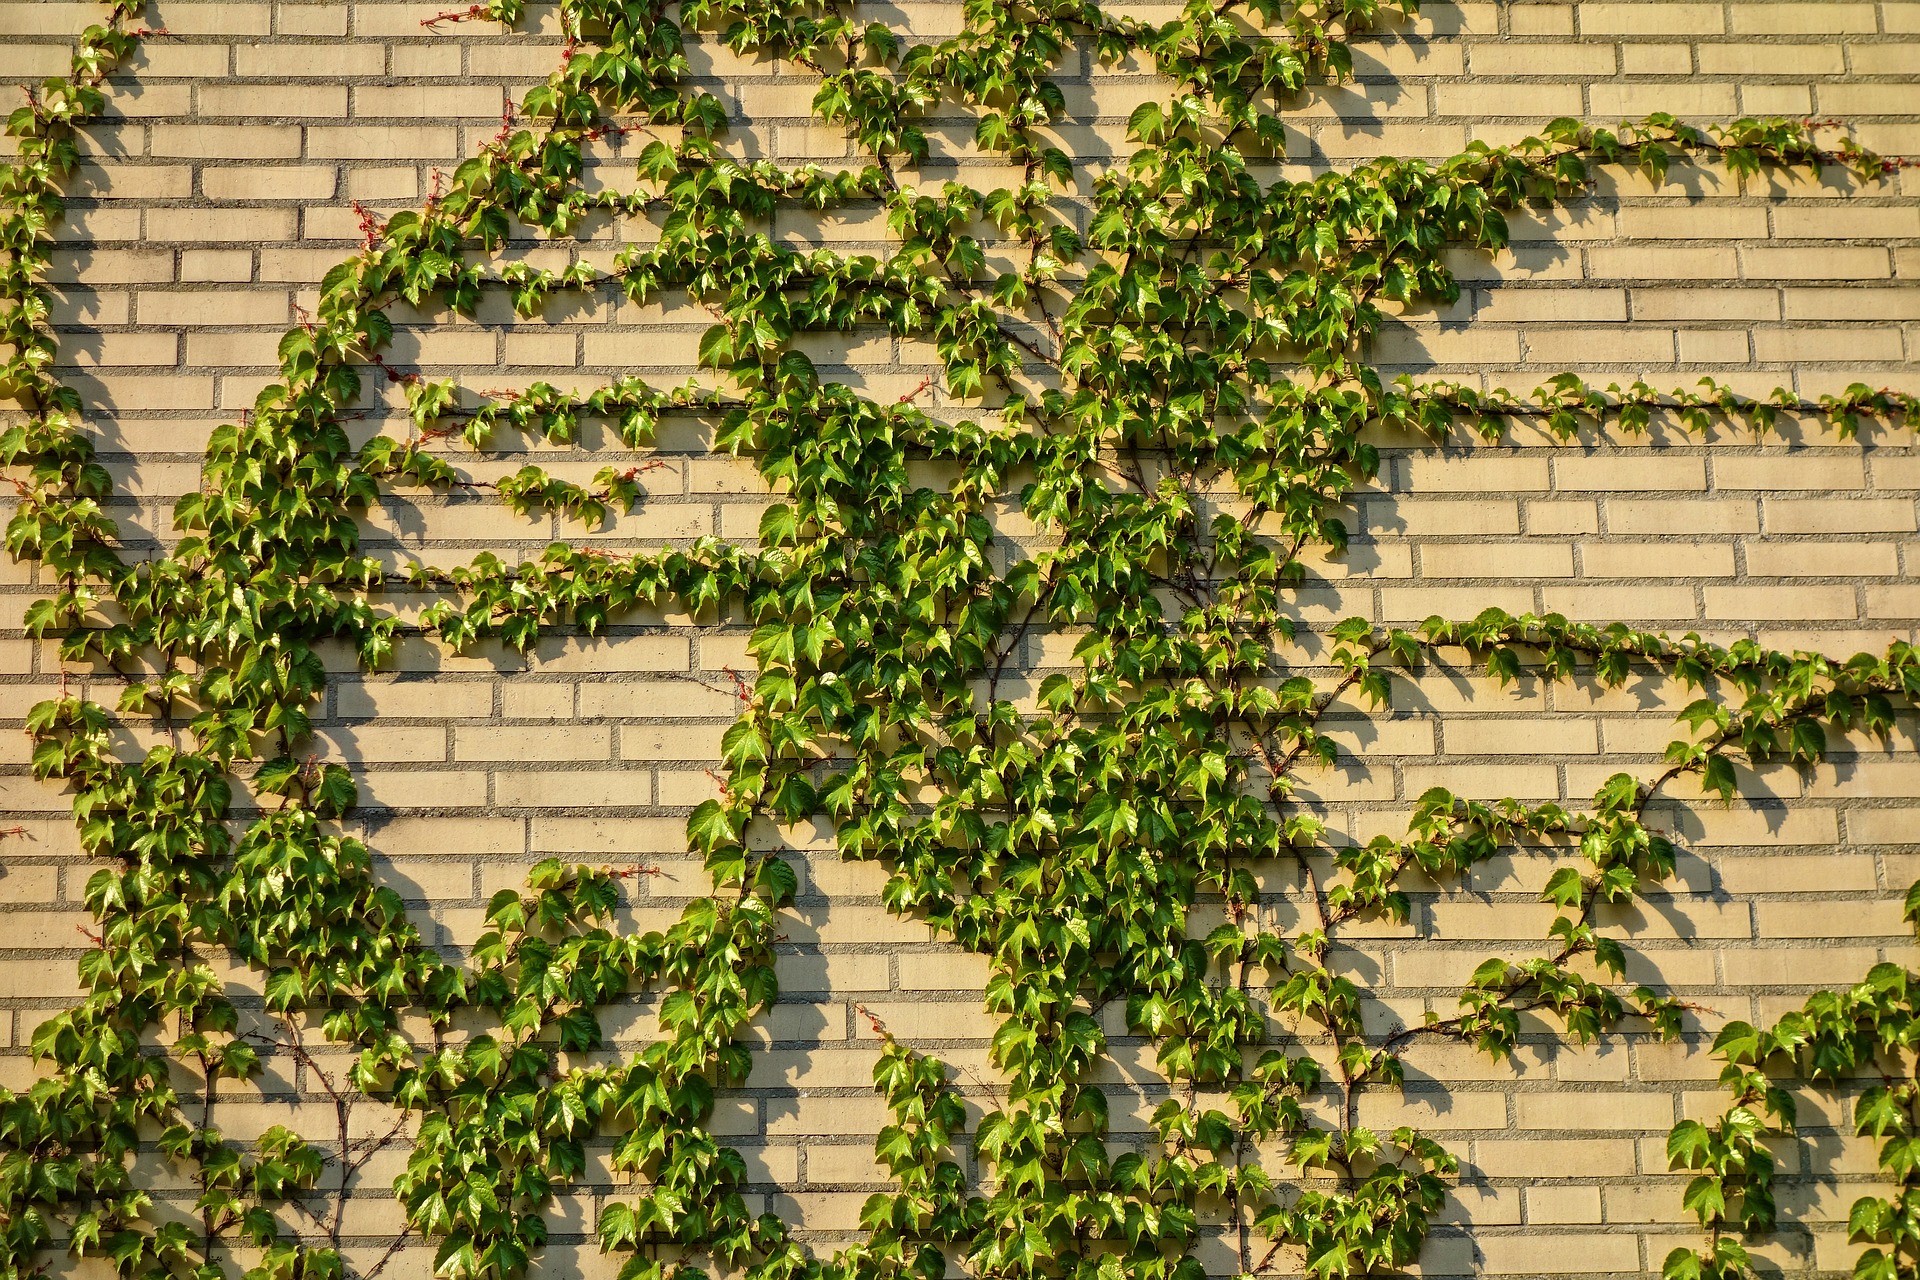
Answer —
(221, 188)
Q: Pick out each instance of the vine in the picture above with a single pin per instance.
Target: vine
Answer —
(1205, 335)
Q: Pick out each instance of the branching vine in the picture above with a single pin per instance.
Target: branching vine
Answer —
(1179, 405)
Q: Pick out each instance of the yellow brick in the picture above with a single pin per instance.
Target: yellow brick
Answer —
(329, 61)
(1630, 474)
(1693, 222)
(1797, 60)
(1655, 560)
(1830, 18)
(574, 788)
(227, 142)
(214, 307)
(272, 101)
(1662, 264)
(1822, 559)
(1683, 516)
(1838, 515)
(228, 183)
(1664, 18)
(428, 102)
(548, 742)
(1831, 262)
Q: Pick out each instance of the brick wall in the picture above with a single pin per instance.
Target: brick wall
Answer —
(222, 187)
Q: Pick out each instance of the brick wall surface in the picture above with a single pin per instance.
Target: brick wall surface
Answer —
(222, 186)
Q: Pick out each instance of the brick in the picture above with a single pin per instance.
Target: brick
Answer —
(273, 101)
(1839, 515)
(548, 742)
(221, 307)
(1693, 222)
(1795, 603)
(1538, 57)
(574, 788)
(220, 225)
(329, 61)
(1661, 264)
(369, 142)
(1797, 60)
(1775, 471)
(428, 102)
(226, 142)
(1682, 516)
(1655, 560)
(1827, 344)
(1822, 559)
(230, 183)
(1831, 262)
(1616, 473)
(1663, 18)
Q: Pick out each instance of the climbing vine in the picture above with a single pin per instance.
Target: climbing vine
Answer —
(1205, 335)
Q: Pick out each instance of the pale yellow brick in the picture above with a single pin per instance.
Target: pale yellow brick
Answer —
(547, 700)
(547, 742)
(1831, 18)
(1445, 516)
(438, 698)
(1829, 262)
(229, 183)
(574, 788)
(1834, 918)
(1551, 304)
(422, 789)
(1792, 59)
(1702, 346)
(225, 226)
(1705, 304)
(1655, 560)
(1828, 344)
(1839, 515)
(1882, 58)
(1644, 263)
(442, 61)
(1617, 100)
(271, 101)
(1513, 560)
(1538, 57)
(1543, 1158)
(1617, 473)
(1861, 98)
(1636, 17)
(1475, 471)
(1705, 221)
(1561, 1205)
(428, 102)
(227, 142)
(119, 350)
(670, 742)
(1558, 736)
(1848, 304)
(1796, 603)
(332, 60)
(1495, 99)
(1562, 517)
(1822, 559)
(213, 307)
(1612, 1110)
(1683, 516)
(1884, 826)
(382, 142)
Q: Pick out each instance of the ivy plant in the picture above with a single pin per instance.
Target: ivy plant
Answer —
(1167, 376)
